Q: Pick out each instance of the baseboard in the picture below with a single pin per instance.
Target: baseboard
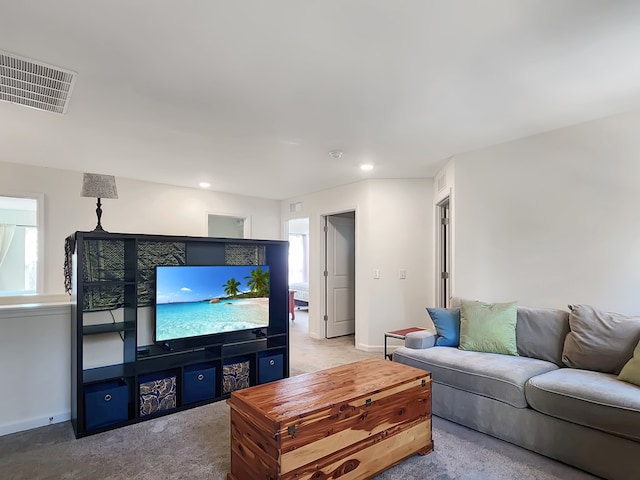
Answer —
(34, 423)
(373, 348)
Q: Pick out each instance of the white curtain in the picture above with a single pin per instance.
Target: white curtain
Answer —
(6, 235)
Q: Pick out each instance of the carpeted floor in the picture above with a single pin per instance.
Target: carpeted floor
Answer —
(194, 444)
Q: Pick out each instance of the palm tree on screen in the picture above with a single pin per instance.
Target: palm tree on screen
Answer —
(231, 287)
(258, 282)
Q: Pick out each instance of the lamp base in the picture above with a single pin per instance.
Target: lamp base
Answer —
(99, 215)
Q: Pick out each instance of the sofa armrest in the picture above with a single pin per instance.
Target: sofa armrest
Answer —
(421, 339)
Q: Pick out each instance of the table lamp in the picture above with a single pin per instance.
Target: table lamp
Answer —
(99, 186)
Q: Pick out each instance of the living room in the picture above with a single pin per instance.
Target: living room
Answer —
(545, 217)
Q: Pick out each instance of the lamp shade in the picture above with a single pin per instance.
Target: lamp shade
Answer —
(95, 185)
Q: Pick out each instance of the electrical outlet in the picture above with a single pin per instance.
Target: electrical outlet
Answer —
(403, 274)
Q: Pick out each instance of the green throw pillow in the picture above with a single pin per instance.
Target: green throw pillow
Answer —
(488, 327)
(631, 371)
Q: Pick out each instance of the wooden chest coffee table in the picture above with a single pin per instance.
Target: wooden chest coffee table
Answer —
(349, 422)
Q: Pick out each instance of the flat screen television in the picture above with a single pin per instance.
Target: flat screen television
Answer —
(196, 301)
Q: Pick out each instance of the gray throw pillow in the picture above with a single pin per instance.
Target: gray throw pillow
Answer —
(599, 341)
(540, 333)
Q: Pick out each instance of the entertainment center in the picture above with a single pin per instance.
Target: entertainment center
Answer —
(217, 309)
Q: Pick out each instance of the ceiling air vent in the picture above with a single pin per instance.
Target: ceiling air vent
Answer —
(35, 84)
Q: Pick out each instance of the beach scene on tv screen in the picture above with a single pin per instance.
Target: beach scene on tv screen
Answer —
(202, 300)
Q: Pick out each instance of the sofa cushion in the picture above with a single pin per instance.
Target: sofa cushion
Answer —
(501, 377)
(488, 327)
(599, 341)
(447, 323)
(631, 371)
(420, 339)
(540, 333)
(593, 399)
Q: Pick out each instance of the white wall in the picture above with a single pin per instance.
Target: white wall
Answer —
(35, 366)
(393, 231)
(142, 207)
(35, 340)
(552, 219)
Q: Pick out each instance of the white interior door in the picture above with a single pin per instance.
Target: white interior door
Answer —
(340, 275)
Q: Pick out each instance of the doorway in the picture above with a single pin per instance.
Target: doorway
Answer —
(298, 235)
(228, 226)
(339, 274)
(444, 254)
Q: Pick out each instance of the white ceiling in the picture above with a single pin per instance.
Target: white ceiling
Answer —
(250, 95)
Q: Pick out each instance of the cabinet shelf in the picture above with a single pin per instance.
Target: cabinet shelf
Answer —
(109, 372)
(146, 365)
(108, 328)
(212, 351)
(115, 271)
(108, 283)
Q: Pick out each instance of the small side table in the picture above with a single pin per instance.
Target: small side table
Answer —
(400, 334)
(292, 305)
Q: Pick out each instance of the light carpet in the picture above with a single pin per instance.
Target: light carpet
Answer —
(194, 444)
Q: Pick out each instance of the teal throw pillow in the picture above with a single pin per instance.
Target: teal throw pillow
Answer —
(447, 323)
(488, 327)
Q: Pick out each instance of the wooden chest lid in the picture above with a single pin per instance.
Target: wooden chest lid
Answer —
(280, 402)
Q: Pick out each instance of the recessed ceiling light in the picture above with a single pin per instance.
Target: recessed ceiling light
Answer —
(366, 167)
(204, 184)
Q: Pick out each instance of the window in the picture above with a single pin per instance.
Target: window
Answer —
(298, 234)
(298, 254)
(18, 245)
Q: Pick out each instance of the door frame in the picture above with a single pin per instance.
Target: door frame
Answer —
(321, 273)
(444, 255)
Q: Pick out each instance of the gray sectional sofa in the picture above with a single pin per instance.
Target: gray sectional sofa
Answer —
(584, 418)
